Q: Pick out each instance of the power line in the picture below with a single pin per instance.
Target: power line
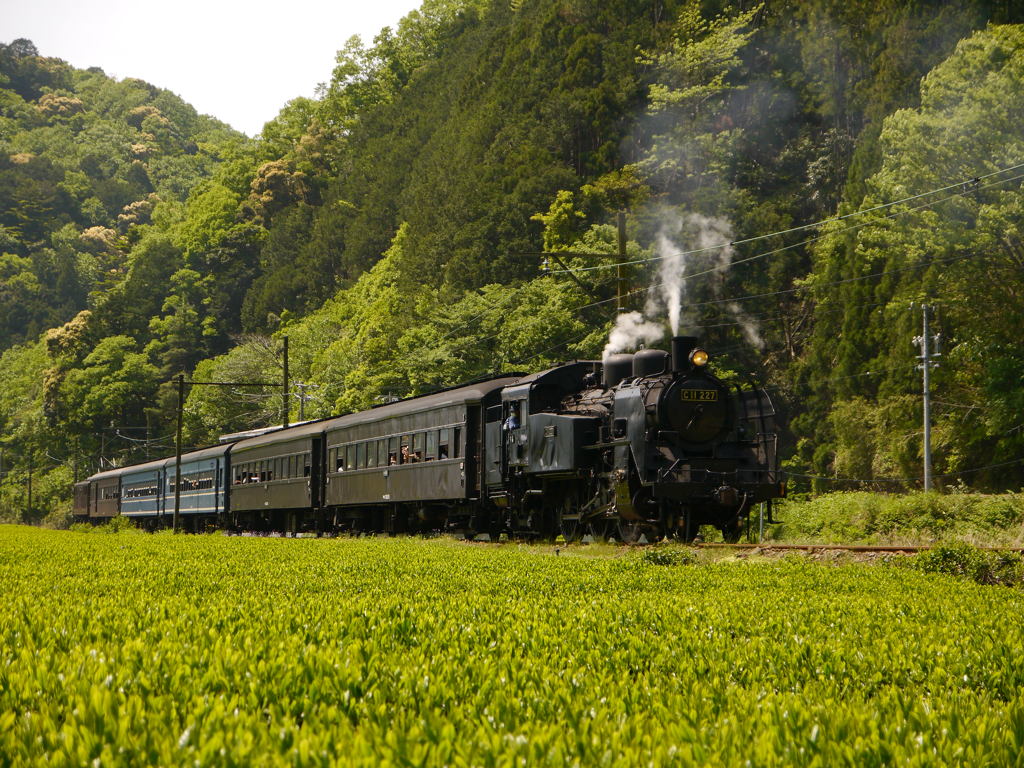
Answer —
(968, 186)
(974, 186)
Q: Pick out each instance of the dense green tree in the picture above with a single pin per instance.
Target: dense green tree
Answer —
(959, 250)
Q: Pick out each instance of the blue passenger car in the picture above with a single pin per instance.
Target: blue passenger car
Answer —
(142, 489)
(204, 478)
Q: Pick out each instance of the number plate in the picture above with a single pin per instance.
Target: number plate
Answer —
(699, 395)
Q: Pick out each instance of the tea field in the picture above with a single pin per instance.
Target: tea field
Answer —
(142, 649)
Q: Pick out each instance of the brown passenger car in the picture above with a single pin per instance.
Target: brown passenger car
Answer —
(425, 449)
(81, 500)
(105, 494)
(278, 471)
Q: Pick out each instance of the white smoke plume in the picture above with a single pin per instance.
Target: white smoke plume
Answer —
(631, 330)
(702, 238)
(690, 247)
(672, 271)
(750, 330)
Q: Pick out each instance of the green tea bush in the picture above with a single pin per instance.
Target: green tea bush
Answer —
(981, 566)
(224, 650)
(668, 555)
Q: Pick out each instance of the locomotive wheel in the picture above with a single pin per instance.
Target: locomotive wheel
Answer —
(630, 531)
(570, 525)
(731, 531)
(601, 529)
(572, 530)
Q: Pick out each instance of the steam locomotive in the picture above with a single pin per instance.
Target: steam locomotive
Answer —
(646, 445)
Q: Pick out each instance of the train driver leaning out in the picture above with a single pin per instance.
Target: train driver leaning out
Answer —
(512, 422)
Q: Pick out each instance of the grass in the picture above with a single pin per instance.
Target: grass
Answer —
(918, 518)
(137, 649)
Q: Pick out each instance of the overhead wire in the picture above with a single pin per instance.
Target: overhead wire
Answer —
(973, 187)
(507, 298)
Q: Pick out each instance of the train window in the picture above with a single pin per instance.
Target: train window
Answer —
(339, 460)
(443, 442)
(350, 457)
(371, 454)
(417, 447)
(382, 453)
(392, 451)
(306, 469)
(405, 455)
(431, 453)
(457, 443)
(361, 456)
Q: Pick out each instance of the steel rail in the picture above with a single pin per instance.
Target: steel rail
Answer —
(843, 547)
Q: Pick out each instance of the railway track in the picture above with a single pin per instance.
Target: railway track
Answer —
(897, 548)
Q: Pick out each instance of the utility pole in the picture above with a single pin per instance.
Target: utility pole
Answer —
(181, 409)
(177, 453)
(302, 389)
(28, 511)
(284, 388)
(620, 270)
(927, 363)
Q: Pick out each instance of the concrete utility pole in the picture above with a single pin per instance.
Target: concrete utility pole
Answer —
(927, 363)
(177, 453)
(620, 270)
(28, 511)
(181, 409)
(302, 388)
(284, 388)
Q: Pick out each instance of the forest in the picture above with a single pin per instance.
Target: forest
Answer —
(798, 180)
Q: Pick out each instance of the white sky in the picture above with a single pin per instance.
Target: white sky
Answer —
(237, 61)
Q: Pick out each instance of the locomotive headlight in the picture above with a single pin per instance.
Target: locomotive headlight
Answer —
(699, 357)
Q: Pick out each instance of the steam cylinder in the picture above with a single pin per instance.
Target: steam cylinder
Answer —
(617, 368)
(650, 362)
(682, 346)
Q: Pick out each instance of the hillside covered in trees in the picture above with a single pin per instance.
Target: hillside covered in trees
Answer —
(812, 170)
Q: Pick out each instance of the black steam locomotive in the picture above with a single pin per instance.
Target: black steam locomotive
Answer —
(644, 445)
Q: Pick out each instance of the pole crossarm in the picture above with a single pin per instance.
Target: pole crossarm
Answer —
(234, 383)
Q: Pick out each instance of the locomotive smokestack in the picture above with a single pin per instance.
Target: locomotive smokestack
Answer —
(682, 346)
